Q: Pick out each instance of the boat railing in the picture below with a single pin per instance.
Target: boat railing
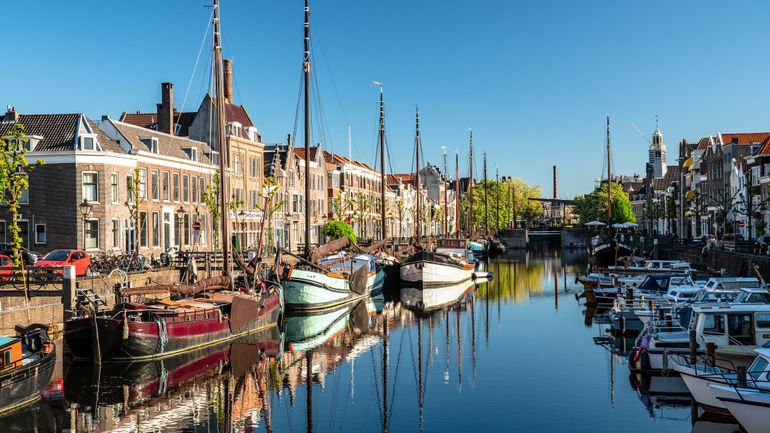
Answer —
(150, 314)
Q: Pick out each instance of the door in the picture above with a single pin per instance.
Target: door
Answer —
(740, 329)
(130, 235)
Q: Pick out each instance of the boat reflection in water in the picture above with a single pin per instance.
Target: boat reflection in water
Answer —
(429, 299)
(179, 392)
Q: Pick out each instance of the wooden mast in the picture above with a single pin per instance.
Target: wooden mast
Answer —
(609, 177)
(486, 203)
(470, 187)
(417, 165)
(382, 166)
(445, 181)
(457, 194)
(306, 70)
(224, 154)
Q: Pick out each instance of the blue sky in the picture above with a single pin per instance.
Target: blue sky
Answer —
(534, 79)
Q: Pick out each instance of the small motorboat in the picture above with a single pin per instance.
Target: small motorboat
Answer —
(26, 366)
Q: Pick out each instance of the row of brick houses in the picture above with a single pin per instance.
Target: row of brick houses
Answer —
(174, 155)
(718, 187)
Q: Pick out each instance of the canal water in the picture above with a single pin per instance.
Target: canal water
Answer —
(515, 354)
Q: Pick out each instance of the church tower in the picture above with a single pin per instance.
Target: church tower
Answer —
(657, 152)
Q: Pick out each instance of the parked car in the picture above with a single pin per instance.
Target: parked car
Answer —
(78, 258)
(29, 257)
(6, 268)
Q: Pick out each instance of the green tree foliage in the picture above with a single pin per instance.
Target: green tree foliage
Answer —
(211, 199)
(269, 203)
(14, 180)
(593, 206)
(135, 198)
(338, 229)
(506, 202)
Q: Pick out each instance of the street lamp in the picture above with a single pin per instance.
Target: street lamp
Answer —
(179, 214)
(85, 210)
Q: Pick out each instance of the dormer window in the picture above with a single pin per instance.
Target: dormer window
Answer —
(151, 143)
(31, 142)
(191, 152)
(234, 128)
(214, 157)
(88, 142)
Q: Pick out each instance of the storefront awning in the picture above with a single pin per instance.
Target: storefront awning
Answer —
(688, 162)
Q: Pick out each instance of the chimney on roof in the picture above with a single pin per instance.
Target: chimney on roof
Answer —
(228, 66)
(734, 139)
(11, 115)
(166, 109)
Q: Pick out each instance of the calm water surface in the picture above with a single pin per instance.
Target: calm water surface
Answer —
(516, 354)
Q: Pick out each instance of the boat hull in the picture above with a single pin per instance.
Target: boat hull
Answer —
(425, 270)
(21, 386)
(308, 290)
(135, 340)
(750, 407)
(608, 253)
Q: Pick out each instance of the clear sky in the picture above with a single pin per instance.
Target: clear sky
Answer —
(534, 79)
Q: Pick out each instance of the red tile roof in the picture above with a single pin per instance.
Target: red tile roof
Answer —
(744, 138)
(300, 153)
(339, 159)
(402, 178)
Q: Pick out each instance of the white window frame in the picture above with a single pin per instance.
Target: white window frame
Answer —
(83, 185)
(166, 193)
(89, 221)
(44, 232)
(82, 144)
(155, 184)
(115, 233)
(115, 187)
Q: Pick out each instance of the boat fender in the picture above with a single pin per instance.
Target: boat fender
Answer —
(635, 355)
(162, 333)
(125, 326)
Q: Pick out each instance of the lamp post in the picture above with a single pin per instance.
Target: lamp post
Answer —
(179, 214)
(85, 210)
(288, 237)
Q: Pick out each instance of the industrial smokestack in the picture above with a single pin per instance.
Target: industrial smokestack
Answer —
(555, 184)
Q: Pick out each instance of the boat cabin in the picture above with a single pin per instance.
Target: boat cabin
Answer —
(733, 324)
(666, 265)
(731, 283)
(10, 352)
(753, 296)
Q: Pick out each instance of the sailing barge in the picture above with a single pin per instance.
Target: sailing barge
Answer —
(160, 328)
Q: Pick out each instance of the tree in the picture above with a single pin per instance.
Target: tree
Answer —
(337, 204)
(593, 206)
(211, 199)
(135, 198)
(338, 229)
(696, 210)
(14, 180)
(509, 200)
(751, 207)
(400, 214)
(270, 204)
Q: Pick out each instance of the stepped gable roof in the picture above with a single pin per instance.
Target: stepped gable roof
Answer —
(275, 156)
(150, 120)
(58, 130)
(169, 145)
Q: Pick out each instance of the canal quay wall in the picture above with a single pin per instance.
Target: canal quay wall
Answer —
(47, 305)
(714, 259)
(568, 238)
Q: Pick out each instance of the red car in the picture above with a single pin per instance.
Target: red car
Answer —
(6, 268)
(77, 258)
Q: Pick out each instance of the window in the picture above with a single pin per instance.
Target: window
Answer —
(763, 320)
(90, 186)
(186, 188)
(114, 188)
(151, 143)
(155, 185)
(202, 188)
(177, 230)
(253, 200)
(254, 168)
(295, 203)
(130, 188)
(757, 367)
(165, 185)
(714, 324)
(143, 229)
(155, 229)
(143, 183)
(186, 229)
(24, 197)
(115, 236)
(203, 229)
(92, 233)
(87, 143)
(237, 164)
(194, 182)
(40, 238)
(176, 186)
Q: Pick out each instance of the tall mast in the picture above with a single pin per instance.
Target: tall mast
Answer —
(306, 69)
(609, 177)
(470, 186)
(486, 204)
(457, 194)
(417, 165)
(446, 187)
(224, 153)
(382, 165)
(385, 358)
(497, 196)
